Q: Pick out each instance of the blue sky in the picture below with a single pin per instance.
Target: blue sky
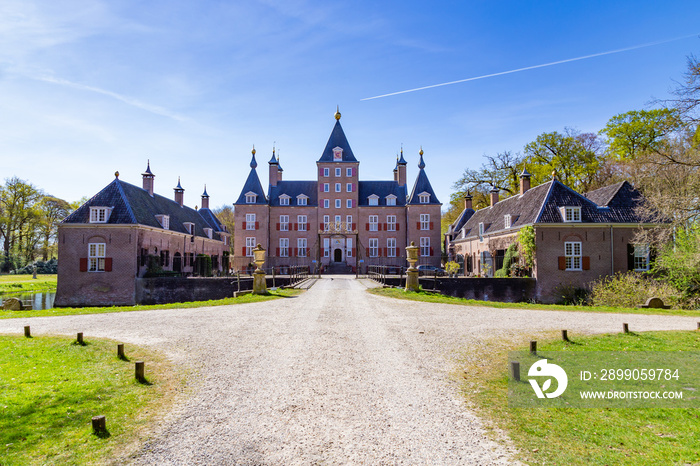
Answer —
(90, 87)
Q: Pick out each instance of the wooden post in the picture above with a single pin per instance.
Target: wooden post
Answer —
(140, 371)
(99, 425)
(565, 335)
(533, 347)
(120, 351)
(80, 338)
(28, 331)
(515, 370)
(626, 328)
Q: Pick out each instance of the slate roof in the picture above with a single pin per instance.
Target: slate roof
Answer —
(459, 222)
(133, 205)
(337, 139)
(381, 189)
(422, 185)
(541, 205)
(293, 189)
(252, 184)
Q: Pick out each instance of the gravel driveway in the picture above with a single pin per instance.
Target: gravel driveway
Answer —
(333, 376)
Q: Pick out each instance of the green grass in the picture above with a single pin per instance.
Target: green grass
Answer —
(438, 298)
(50, 388)
(17, 284)
(585, 436)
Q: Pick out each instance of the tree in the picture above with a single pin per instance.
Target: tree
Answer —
(639, 132)
(18, 201)
(687, 101)
(52, 211)
(225, 216)
(501, 172)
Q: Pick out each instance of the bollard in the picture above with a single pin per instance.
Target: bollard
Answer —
(533, 347)
(28, 331)
(515, 370)
(565, 335)
(99, 425)
(120, 351)
(80, 338)
(626, 328)
(140, 371)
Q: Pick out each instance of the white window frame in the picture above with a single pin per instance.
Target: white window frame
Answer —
(373, 199)
(573, 255)
(374, 247)
(348, 247)
(284, 247)
(338, 203)
(189, 227)
(326, 203)
(326, 247)
(481, 232)
(348, 203)
(338, 187)
(338, 219)
(249, 222)
(96, 257)
(302, 223)
(164, 221)
(302, 199)
(506, 221)
(391, 199)
(391, 222)
(284, 222)
(571, 214)
(373, 223)
(326, 187)
(209, 232)
(338, 172)
(348, 172)
(425, 246)
(326, 221)
(251, 197)
(301, 247)
(424, 198)
(348, 220)
(284, 199)
(641, 257)
(99, 214)
(391, 247)
(326, 172)
(348, 187)
(424, 222)
(249, 246)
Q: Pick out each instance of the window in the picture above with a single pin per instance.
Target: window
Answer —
(326, 203)
(284, 222)
(348, 246)
(391, 223)
(391, 199)
(249, 222)
(337, 153)
(99, 214)
(249, 246)
(641, 257)
(373, 199)
(96, 257)
(284, 199)
(326, 172)
(348, 172)
(348, 220)
(373, 247)
(326, 247)
(338, 172)
(391, 247)
(209, 232)
(572, 253)
(481, 232)
(373, 222)
(301, 221)
(348, 187)
(164, 221)
(424, 198)
(284, 247)
(425, 221)
(348, 203)
(337, 203)
(189, 227)
(337, 222)
(326, 187)
(572, 214)
(301, 247)
(506, 221)
(425, 246)
(250, 197)
(302, 199)
(338, 187)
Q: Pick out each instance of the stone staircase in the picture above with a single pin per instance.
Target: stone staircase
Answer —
(338, 268)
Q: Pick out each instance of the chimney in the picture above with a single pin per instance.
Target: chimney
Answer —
(396, 169)
(401, 167)
(524, 181)
(148, 177)
(205, 198)
(274, 168)
(179, 193)
(494, 196)
(468, 201)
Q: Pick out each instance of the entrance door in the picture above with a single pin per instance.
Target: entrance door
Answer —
(338, 255)
(177, 262)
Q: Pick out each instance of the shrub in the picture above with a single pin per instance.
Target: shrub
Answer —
(572, 295)
(631, 289)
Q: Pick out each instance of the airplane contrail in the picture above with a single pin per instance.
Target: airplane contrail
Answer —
(609, 52)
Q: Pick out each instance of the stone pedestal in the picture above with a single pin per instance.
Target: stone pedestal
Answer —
(259, 283)
(412, 280)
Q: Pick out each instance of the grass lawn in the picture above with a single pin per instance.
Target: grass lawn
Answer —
(26, 284)
(50, 388)
(584, 436)
(64, 311)
(438, 298)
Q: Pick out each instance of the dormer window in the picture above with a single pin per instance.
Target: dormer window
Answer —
(373, 199)
(506, 221)
(337, 153)
(424, 198)
(284, 199)
(302, 199)
(209, 232)
(251, 197)
(189, 228)
(391, 199)
(481, 232)
(99, 214)
(571, 214)
(164, 221)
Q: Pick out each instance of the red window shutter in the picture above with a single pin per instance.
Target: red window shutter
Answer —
(386, 254)
(83, 264)
(354, 251)
(257, 225)
(243, 251)
(108, 264)
(353, 190)
(278, 226)
(398, 226)
(418, 225)
(296, 252)
(244, 225)
(323, 226)
(562, 263)
(320, 172)
(354, 226)
(586, 262)
(354, 172)
(367, 226)
(353, 201)
(277, 252)
(431, 251)
(296, 227)
(431, 225)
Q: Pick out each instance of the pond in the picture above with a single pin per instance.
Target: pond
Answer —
(41, 300)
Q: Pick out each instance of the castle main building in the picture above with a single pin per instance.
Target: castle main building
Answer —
(336, 221)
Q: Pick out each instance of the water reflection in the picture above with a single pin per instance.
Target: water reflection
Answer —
(38, 301)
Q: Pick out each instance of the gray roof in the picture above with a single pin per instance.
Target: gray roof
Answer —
(293, 189)
(381, 189)
(422, 185)
(337, 139)
(252, 184)
(133, 205)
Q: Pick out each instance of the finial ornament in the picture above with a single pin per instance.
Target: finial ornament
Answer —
(421, 151)
(116, 174)
(554, 175)
(421, 164)
(253, 151)
(337, 112)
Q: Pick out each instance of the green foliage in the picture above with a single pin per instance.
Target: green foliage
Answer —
(203, 265)
(510, 258)
(502, 172)
(638, 131)
(452, 268)
(631, 289)
(49, 267)
(526, 245)
(679, 263)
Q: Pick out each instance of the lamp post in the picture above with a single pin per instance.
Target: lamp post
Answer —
(259, 283)
(412, 272)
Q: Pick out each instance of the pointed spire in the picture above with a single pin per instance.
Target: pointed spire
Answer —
(179, 187)
(273, 159)
(525, 173)
(421, 164)
(204, 194)
(337, 112)
(279, 166)
(401, 160)
(148, 169)
(253, 163)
